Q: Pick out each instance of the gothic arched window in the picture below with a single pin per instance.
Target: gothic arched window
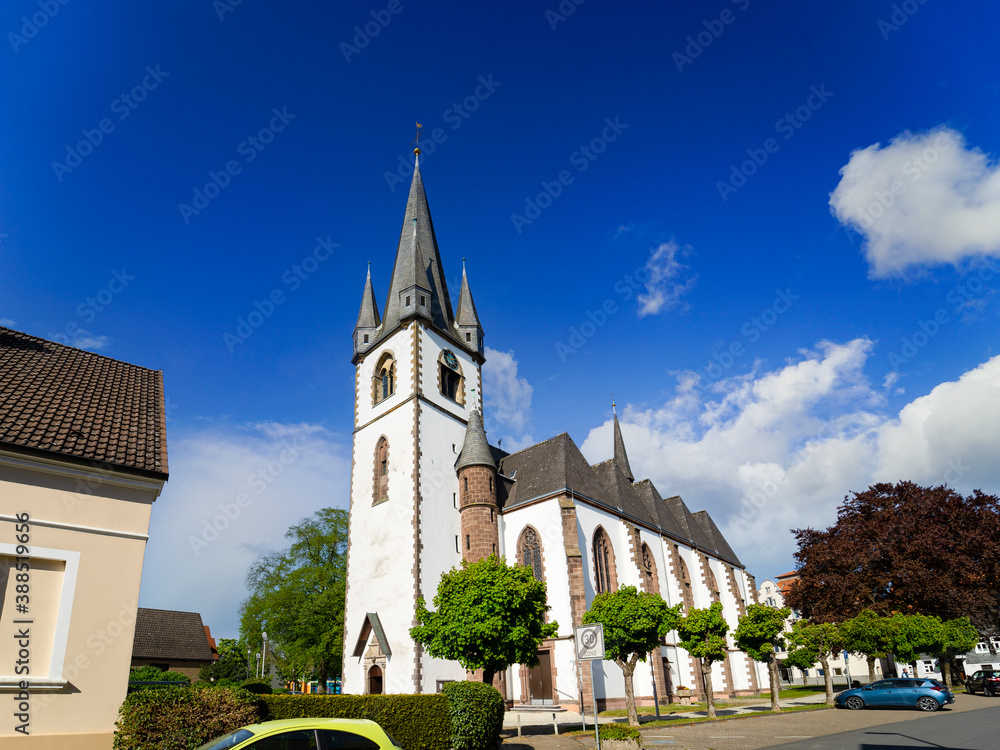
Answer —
(684, 580)
(604, 563)
(381, 482)
(529, 552)
(651, 582)
(384, 378)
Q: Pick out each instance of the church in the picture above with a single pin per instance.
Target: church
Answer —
(428, 490)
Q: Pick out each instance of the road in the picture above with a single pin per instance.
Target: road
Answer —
(971, 723)
(970, 730)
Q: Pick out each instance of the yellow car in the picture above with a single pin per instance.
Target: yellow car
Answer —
(307, 734)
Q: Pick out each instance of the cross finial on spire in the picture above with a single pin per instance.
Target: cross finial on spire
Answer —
(416, 139)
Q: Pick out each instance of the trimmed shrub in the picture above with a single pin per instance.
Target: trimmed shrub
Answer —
(476, 710)
(256, 687)
(417, 722)
(623, 733)
(181, 718)
(150, 673)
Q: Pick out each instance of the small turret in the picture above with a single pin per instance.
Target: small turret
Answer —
(478, 492)
(366, 328)
(470, 332)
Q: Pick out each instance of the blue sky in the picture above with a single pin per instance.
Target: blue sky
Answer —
(771, 231)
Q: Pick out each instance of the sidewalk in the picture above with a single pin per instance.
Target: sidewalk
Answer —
(536, 722)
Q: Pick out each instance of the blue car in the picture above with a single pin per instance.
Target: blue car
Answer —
(925, 694)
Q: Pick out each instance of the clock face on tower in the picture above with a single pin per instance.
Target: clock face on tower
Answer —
(450, 359)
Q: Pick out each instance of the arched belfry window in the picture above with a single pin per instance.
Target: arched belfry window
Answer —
(529, 552)
(604, 563)
(384, 378)
(451, 382)
(381, 481)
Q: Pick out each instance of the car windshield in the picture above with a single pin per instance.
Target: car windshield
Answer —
(230, 740)
(393, 740)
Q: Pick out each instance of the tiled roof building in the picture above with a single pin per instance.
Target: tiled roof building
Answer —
(173, 641)
(83, 456)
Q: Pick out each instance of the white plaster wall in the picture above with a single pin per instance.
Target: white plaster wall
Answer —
(400, 344)
(380, 563)
(431, 345)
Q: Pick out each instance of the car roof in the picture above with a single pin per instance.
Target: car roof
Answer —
(312, 723)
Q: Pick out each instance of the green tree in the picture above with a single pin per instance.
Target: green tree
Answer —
(758, 634)
(868, 635)
(957, 637)
(913, 635)
(702, 633)
(812, 642)
(489, 615)
(231, 664)
(635, 624)
(297, 596)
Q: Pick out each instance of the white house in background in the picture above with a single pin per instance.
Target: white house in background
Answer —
(772, 592)
(428, 490)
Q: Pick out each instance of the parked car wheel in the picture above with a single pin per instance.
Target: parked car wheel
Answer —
(970, 690)
(928, 704)
(856, 704)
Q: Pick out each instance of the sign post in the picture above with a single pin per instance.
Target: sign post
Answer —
(590, 647)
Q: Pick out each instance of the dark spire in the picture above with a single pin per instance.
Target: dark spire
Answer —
(366, 329)
(368, 315)
(470, 332)
(621, 457)
(417, 272)
(476, 449)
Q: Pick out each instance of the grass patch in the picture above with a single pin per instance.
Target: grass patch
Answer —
(674, 708)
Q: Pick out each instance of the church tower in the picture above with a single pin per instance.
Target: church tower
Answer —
(418, 390)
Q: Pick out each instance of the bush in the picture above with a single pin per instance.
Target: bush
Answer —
(256, 687)
(150, 673)
(181, 718)
(476, 710)
(620, 732)
(417, 722)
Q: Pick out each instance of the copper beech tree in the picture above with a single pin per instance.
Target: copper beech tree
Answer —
(904, 549)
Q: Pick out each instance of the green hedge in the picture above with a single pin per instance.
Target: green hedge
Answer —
(476, 710)
(181, 718)
(417, 722)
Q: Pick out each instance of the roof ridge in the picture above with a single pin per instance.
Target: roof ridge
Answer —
(88, 352)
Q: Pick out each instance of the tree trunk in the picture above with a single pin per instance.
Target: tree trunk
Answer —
(871, 669)
(488, 675)
(772, 674)
(946, 670)
(628, 669)
(706, 673)
(824, 661)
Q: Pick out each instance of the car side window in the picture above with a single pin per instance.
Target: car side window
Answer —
(302, 739)
(336, 739)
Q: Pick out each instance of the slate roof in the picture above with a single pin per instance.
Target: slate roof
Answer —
(417, 261)
(55, 399)
(557, 465)
(418, 266)
(368, 316)
(169, 635)
(475, 449)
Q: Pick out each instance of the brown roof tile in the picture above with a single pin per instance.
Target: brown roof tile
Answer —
(58, 399)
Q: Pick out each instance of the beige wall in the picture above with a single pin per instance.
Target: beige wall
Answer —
(87, 531)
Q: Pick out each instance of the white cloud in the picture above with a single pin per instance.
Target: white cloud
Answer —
(81, 339)
(924, 199)
(778, 450)
(7, 323)
(201, 541)
(507, 404)
(666, 282)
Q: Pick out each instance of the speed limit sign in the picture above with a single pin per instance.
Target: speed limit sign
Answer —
(589, 642)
